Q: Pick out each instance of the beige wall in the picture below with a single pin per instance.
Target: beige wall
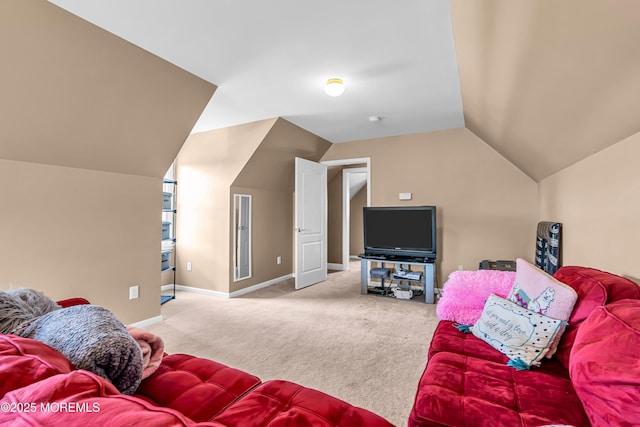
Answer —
(271, 235)
(487, 208)
(598, 202)
(74, 232)
(90, 123)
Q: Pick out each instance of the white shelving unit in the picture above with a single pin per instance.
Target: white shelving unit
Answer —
(168, 248)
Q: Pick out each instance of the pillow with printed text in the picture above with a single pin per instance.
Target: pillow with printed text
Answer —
(521, 334)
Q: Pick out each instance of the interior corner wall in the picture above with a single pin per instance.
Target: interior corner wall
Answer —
(487, 208)
(72, 232)
(206, 166)
(269, 176)
(597, 201)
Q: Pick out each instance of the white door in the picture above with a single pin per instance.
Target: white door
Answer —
(311, 222)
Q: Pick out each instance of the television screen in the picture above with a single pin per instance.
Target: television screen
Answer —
(400, 231)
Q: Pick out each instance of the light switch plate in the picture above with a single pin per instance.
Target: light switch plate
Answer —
(405, 196)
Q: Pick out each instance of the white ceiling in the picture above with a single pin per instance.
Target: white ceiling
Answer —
(271, 59)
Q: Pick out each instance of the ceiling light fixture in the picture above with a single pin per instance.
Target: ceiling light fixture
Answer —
(334, 87)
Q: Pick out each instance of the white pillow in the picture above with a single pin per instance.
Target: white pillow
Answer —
(522, 335)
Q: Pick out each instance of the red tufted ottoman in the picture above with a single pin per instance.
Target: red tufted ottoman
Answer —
(282, 403)
(198, 388)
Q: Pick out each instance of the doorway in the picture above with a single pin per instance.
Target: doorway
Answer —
(356, 175)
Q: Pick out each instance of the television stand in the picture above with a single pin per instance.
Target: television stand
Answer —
(427, 266)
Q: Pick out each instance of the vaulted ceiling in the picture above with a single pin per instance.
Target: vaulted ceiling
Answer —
(546, 83)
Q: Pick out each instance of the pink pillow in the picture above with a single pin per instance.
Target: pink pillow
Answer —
(465, 293)
(605, 367)
(539, 292)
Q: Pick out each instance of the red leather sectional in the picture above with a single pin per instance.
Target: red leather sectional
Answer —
(38, 387)
(592, 380)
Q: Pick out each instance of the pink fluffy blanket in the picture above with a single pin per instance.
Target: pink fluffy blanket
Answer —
(152, 348)
(465, 292)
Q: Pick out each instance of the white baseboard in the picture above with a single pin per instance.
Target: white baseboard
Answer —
(260, 286)
(227, 295)
(339, 267)
(147, 322)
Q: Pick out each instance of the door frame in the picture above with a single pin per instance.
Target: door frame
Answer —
(346, 201)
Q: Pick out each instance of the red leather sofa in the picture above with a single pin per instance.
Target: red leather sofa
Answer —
(592, 380)
(39, 386)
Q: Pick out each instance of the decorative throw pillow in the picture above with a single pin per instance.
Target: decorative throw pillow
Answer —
(465, 292)
(604, 364)
(522, 335)
(538, 291)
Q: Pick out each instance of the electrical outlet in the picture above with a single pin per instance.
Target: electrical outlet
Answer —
(460, 267)
(134, 292)
(189, 266)
(279, 260)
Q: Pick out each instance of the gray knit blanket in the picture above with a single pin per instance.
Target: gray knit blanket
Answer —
(91, 337)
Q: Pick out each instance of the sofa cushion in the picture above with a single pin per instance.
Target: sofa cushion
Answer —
(198, 388)
(605, 367)
(24, 361)
(448, 338)
(282, 403)
(521, 334)
(83, 398)
(457, 390)
(594, 288)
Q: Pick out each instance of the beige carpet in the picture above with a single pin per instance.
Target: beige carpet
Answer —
(365, 349)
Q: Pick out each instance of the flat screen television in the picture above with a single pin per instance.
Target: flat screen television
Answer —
(406, 231)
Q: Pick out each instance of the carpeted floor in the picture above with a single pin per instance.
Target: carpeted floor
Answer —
(365, 349)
